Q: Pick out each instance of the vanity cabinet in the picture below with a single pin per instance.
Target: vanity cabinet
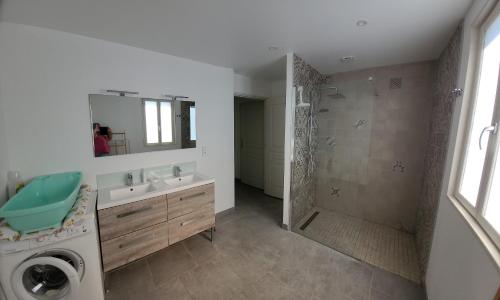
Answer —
(190, 212)
(134, 230)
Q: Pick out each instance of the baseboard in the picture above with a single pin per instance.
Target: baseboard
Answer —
(225, 212)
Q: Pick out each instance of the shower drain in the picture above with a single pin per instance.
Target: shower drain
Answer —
(311, 218)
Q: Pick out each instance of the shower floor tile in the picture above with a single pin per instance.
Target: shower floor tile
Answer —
(379, 245)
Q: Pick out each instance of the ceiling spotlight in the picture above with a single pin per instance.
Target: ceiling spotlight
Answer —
(361, 23)
(347, 59)
(273, 48)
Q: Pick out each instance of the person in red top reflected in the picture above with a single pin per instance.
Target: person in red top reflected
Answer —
(101, 146)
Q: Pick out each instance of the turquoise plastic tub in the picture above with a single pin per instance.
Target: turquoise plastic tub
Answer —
(43, 203)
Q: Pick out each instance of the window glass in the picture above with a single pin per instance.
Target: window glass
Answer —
(192, 123)
(166, 122)
(492, 56)
(151, 116)
(483, 112)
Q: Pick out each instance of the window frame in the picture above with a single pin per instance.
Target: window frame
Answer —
(477, 212)
(158, 111)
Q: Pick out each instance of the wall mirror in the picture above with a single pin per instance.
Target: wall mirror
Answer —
(124, 125)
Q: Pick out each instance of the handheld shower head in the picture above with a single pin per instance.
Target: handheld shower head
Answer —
(300, 90)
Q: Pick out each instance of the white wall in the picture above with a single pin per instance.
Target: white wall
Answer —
(278, 88)
(460, 268)
(45, 80)
(4, 161)
(247, 87)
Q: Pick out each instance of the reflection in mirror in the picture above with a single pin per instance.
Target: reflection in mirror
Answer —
(124, 125)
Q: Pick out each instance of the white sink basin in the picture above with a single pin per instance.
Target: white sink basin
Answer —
(131, 191)
(113, 196)
(182, 180)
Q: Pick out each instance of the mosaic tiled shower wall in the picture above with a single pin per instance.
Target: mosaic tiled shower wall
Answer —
(372, 143)
(306, 137)
(447, 72)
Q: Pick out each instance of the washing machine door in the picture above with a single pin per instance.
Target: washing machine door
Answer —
(49, 275)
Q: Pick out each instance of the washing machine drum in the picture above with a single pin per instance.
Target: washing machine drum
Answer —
(54, 274)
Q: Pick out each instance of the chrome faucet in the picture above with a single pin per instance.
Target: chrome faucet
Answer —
(130, 179)
(177, 171)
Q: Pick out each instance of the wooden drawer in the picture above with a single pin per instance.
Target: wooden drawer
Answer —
(123, 219)
(191, 224)
(188, 201)
(124, 249)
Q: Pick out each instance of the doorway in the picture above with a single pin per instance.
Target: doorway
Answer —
(259, 152)
(259, 143)
(249, 139)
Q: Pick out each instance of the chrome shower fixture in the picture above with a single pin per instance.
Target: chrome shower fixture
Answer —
(300, 90)
(347, 59)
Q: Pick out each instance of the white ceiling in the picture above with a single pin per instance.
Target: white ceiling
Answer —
(237, 33)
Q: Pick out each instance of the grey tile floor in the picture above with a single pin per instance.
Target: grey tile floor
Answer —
(253, 258)
(379, 245)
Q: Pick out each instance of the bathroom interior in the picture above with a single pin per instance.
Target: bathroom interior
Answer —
(249, 150)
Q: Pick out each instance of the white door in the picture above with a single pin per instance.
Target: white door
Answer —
(274, 146)
(252, 143)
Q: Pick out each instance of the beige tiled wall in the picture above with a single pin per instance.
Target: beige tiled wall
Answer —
(371, 144)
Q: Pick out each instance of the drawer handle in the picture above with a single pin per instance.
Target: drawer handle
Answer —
(187, 222)
(192, 196)
(133, 212)
(133, 242)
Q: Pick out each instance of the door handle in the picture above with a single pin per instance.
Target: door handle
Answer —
(491, 130)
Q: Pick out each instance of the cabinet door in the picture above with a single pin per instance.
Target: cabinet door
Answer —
(126, 248)
(274, 147)
(190, 200)
(123, 219)
(188, 225)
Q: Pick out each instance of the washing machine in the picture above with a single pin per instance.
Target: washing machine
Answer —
(63, 265)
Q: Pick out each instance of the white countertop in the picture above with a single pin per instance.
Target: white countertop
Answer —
(104, 199)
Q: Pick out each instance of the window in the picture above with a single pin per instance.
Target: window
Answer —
(158, 121)
(192, 123)
(478, 186)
